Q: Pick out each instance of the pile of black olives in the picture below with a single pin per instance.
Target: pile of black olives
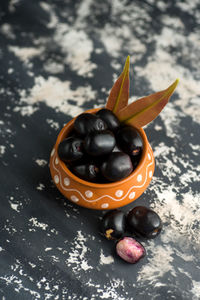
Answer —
(100, 149)
(140, 222)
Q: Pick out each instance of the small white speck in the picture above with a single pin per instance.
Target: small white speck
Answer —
(104, 205)
(132, 195)
(150, 174)
(139, 178)
(89, 194)
(74, 198)
(40, 187)
(10, 71)
(48, 249)
(56, 161)
(14, 206)
(66, 181)
(41, 162)
(2, 149)
(149, 156)
(105, 260)
(56, 179)
(119, 193)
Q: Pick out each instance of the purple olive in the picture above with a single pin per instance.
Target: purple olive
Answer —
(130, 250)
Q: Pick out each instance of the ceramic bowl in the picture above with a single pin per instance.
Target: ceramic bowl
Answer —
(96, 195)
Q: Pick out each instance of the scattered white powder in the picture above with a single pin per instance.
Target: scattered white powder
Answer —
(77, 48)
(41, 162)
(77, 254)
(169, 70)
(188, 5)
(183, 214)
(48, 249)
(27, 110)
(105, 260)
(10, 71)
(83, 11)
(7, 30)
(38, 224)
(53, 67)
(40, 187)
(109, 291)
(151, 271)
(12, 5)
(53, 18)
(112, 38)
(53, 124)
(14, 206)
(196, 290)
(172, 21)
(2, 150)
(56, 93)
(25, 53)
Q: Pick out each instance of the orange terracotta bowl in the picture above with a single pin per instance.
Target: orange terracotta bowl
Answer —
(96, 195)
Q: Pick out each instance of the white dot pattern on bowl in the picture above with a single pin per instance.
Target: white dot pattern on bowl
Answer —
(139, 178)
(56, 179)
(149, 156)
(119, 193)
(52, 152)
(88, 194)
(104, 205)
(66, 181)
(56, 161)
(150, 174)
(132, 195)
(74, 198)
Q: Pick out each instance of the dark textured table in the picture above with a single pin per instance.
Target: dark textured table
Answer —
(59, 58)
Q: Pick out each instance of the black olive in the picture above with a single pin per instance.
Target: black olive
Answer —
(129, 140)
(99, 143)
(117, 166)
(144, 222)
(109, 118)
(112, 225)
(88, 171)
(70, 149)
(86, 123)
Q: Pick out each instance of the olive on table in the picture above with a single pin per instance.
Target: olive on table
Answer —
(144, 222)
(112, 225)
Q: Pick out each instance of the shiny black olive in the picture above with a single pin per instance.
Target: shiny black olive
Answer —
(144, 222)
(86, 123)
(109, 118)
(117, 166)
(88, 171)
(112, 225)
(70, 149)
(99, 143)
(129, 140)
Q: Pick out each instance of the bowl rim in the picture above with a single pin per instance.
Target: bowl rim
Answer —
(62, 135)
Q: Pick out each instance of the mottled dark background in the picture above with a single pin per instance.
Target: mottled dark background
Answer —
(56, 60)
